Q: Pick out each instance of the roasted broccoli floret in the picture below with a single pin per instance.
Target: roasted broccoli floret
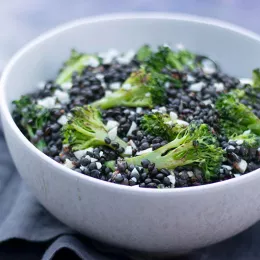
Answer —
(196, 145)
(231, 128)
(229, 108)
(75, 63)
(162, 125)
(85, 129)
(141, 89)
(249, 139)
(31, 117)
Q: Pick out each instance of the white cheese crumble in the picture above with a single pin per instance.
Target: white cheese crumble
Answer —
(241, 166)
(131, 142)
(115, 85)
(134, 171)
(127, 86)
(68, 163)
(99, 165)
(181, 122)
(237, 175)
(48, 102)
(111, 124)
(219, 87)
(245, 81)
(197, 87)
(93, 159)
(190, 78)
(108, 93)
(132, 128)
(62, 96)
(128, 150)
(92, 62)
(139, 110)
(101, 153)
(66, 86)
(112, 134)
(167, 84)
(173, 116)
(172, 180)
(149, 150)
(229, 168)
(62, 120)
(162, 109)
(80, 153)
(148, 94)
(126, 57)
(239, 142)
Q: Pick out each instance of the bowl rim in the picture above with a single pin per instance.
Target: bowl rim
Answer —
(5, 113)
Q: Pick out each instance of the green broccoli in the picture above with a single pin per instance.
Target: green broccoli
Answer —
(256, 79)
(249, 139)
(31, 117)
(141, 89)
(196, 145)
(159, 124)
(231, 128)
(230, 109)
(85, 129)
(75, 63)
(165, 57)
(143, 53)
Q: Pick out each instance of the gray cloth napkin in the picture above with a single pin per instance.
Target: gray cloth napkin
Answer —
(22, 217)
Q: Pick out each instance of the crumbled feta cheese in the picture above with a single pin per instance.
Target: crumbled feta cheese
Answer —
(101, 153)
(41, 85)
(190, 78)
(134, 171)
(180, 46)
(162, 109)
(108, 93)
(48, 102)
(99, 165)
(90, 149)
(82, 168)
(108, 56)
(145, 151)
(229, 168)
(132, 128)
(190, 173)
(172, 180)
(68, 163)
(100, 76)
(241, 166)
(173, 116)
(103, 85)
(66, 85)
(62, 120)
(237, 175)
(88, 157)
(245, 81)
(127, 86)
(131, 142)
(148, 94)
(167, 84)
(115, 85)
(80, 153)
(93, 159)
(181, 122)
(62, 96)
(208, 66)
(111, 124)
(239, 142)
(127, 57)
(247, 132)
(112, 134)
(132, 113)
(139, 110)
(92, 62)
(128, 150)
(197, 87)
(134, 179)
(219, 87)
(207, 102)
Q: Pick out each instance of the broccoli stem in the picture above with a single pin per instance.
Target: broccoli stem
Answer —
(170, 160)
(120, 98)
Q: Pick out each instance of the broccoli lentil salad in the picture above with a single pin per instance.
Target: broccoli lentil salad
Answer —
(159, 118)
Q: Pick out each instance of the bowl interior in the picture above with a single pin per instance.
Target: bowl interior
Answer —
(236, 50)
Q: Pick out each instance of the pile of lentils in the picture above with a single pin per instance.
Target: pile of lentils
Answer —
(194, 101)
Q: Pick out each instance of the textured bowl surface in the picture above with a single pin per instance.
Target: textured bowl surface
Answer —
(168, 221)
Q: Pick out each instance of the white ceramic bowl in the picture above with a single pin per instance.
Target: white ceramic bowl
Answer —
(155, 221)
